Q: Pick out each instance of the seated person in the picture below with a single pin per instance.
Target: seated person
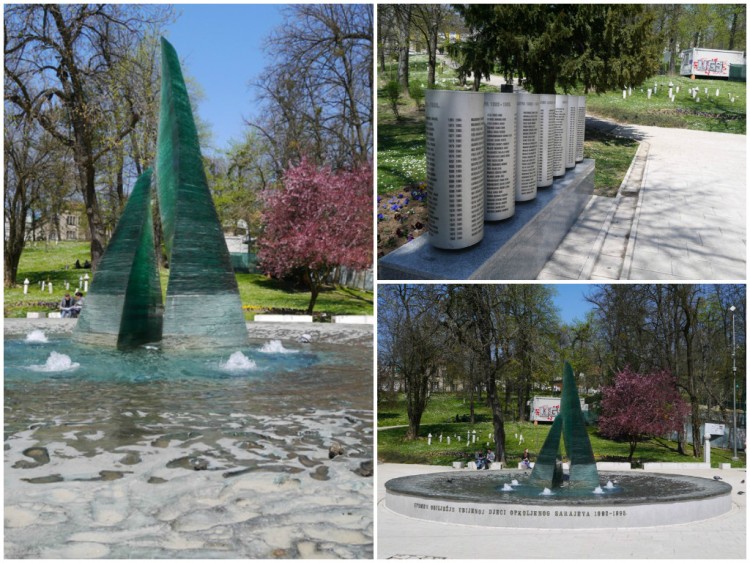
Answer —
(77, 306)
(526, 459)
(489, 459)
(481, 462)
(66, 306)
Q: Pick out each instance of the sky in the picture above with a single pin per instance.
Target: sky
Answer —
(571, 301)
(219, 47)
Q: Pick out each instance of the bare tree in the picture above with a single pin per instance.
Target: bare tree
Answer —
(429, 21)
(408, 324)
(316, 94)
(62, 57)
(27, 157)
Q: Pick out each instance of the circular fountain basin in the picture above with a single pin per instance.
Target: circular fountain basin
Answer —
(482, 499)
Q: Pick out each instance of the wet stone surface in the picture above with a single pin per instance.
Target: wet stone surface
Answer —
(119, 477)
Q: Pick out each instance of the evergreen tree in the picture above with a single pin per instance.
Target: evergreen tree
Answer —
(598, 46)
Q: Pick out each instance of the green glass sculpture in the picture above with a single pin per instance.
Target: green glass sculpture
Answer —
(203, 307)
(123, 309)
(571, 426)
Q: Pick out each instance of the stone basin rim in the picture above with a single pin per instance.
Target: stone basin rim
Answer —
(704, 489)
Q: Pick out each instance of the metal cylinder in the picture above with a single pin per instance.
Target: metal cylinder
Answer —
(572, 116)
(545, 172)
(527, 138)
(500, 156)
(581, 133)
(559, 145)
(455, 167)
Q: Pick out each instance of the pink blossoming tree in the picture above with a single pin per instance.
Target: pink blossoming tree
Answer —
(638, 406)
(319, 220)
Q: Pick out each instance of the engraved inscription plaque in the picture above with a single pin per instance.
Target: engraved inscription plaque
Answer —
(500, 156)
(455, 167)
(527, 136)
(581, 127)
(570, 157)
(545, 171)
(559, 152)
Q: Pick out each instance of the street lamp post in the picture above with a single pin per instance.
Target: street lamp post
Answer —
(734, 390)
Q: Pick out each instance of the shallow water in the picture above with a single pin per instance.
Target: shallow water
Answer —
(153, 454)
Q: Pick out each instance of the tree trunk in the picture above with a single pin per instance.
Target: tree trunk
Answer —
(87, 176)
(316, 281)
(498, 424)
(471, 403)
(432, 53)
(732, 31)
(403, 16)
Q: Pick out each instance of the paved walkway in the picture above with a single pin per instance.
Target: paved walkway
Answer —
(680, 213)
(399, 537)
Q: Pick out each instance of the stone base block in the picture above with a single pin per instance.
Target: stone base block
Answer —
(513, 249)
(613, 466)
(354, 319)
(283, 318)
(655, 466)
(36, 315)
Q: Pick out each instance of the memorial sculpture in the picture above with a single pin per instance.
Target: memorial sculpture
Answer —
(486, 152)
(203, 308)
(571, 426)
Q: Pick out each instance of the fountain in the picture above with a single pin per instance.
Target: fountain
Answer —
(160, 430)
(551, 498)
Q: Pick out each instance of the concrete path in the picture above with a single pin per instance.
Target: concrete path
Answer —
(680, 213)
(399, 537)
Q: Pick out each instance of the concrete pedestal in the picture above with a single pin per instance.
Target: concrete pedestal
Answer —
(513, 249)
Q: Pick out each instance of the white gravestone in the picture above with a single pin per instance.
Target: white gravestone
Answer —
(26, 286)
(455, 167)
(500, 156)
(581, 133)
(572, 141)
(527, 137)
(559, 152)
(545, 172)
(648, 94)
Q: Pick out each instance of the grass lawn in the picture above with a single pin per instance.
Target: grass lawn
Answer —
(54, 262)
(712, 113)
(440, 419)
